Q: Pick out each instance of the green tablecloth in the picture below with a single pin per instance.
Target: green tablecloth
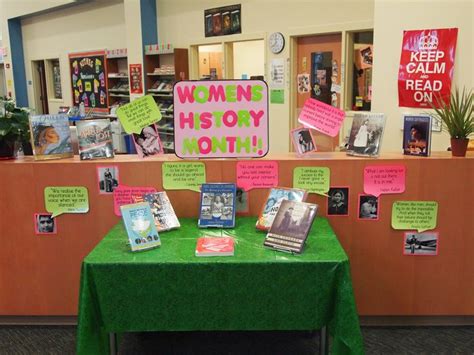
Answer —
(168, 288)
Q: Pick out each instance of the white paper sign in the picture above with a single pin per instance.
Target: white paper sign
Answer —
(277, 73)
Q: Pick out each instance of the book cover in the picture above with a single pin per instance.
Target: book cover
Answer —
(366, 134)
(163, 213)
(274, 199)
(417, 135)
(217, 24)
(51, 137)
(215, 246)
(291, 226)
(141, 230)
(95, 139)
(217, 207)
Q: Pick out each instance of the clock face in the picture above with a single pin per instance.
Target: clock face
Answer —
(276, 42)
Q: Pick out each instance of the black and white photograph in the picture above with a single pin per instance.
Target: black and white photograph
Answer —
(421, 243)
(368, 207)
(338, 201)
(45, 223)
(241, 201)
(108, 178)
(303, 140)
(206, 212)
(366, 134)
(148, 142)
(304, 85)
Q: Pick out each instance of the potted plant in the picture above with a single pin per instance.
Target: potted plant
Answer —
(14, 128)
(458, 118)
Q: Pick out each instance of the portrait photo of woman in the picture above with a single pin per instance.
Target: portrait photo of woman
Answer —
(303, 140)
(148, 142)
(338, 201)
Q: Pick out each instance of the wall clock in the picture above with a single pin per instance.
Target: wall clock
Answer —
(276, 42)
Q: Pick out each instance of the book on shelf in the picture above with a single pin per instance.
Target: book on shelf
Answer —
(163, 213)
(291, 226)
(272, 204)
(50, 137)
(215, 246)
(141, 230)
(417, 135)
(217, 208)
(95, 139)
(366, 134)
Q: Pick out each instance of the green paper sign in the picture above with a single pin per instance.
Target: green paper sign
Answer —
(66, 199)
(139, 114)
(312, 179)
(414, 215)
(183, 176)
(277, 96)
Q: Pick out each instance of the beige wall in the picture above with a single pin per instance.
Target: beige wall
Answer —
(181, 22)
(89, 26)
(391, 17)
(249, 58)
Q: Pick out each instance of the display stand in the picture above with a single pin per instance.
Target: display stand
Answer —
(158, 58)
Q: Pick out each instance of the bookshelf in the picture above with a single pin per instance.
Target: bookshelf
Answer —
(164, 66)
(117, 77)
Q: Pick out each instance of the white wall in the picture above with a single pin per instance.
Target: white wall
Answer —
(391, 17)
(249, 58)
(89, 26)
(181, 22)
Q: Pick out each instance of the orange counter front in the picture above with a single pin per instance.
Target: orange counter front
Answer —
(39, 274)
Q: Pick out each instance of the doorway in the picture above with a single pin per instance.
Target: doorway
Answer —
(248, 59)
(319, 66)
(40, 87)
(210, 62)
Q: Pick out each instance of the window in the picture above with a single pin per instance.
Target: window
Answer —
(210, 62)
(361, 55)
(55, 79)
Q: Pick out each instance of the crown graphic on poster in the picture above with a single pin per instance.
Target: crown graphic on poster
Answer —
(428, 42)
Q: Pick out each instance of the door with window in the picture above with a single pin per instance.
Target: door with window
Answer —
(319, 77)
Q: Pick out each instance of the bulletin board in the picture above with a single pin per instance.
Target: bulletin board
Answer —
(89, 79)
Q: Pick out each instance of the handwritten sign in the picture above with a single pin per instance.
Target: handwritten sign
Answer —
(419, 215)
(183, 176)
(321, 117)
(312, 179)
(124, 195)
(139, 114)
(66, 199)
(384, 179)
(251, 175)
(221, 119)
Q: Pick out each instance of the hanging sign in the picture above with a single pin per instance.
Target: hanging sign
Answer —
(426, 67)
(221, 119)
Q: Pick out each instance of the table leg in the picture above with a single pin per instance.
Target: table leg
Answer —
(113, 343)
(323, 341)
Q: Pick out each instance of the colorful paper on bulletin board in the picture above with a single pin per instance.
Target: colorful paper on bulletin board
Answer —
(277, 96)
(87, 68)
(138, 114)
(321, 117)
(415, 215)
(124, 195)
(426, 67)
(136, 83)
(221, 119)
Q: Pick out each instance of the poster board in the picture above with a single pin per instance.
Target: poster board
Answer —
(221, 119)
(89, 80)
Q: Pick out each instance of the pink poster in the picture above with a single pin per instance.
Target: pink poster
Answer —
(321, 117)
(221, 119)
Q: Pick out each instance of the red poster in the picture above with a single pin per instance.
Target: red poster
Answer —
(426, 66)
(136, 85)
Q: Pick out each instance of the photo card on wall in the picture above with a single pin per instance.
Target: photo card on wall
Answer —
(425, 243)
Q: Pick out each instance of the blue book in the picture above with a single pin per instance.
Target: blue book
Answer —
(217, 207)
(140, 226)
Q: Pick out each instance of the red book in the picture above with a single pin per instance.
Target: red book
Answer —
(215, 246)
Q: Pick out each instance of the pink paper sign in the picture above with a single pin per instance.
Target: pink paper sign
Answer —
(253, 174)
(221, 119)
(321, 117)
(384, 179)
(124, 195)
